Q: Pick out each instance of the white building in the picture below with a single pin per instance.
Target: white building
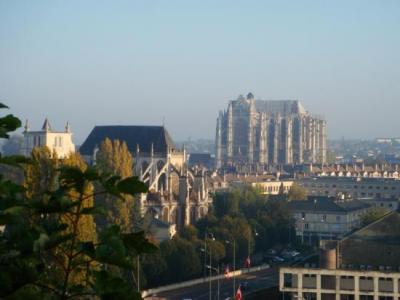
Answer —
(352, 186)
(325, 284)
(324, 218)
(57, 141)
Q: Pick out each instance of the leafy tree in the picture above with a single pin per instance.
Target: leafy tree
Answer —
(276, 224)
(241, 213)
(217, 250)
(41, 173)
(114, 157)
(226, 203)
(297, 192)
(189, 233)
(373, 215)
(42, 250)
(209, 221)
(86, 225)
(234, 229)
(181, 257)
(154, 268)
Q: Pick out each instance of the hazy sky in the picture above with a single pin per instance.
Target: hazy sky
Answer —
(137, 62)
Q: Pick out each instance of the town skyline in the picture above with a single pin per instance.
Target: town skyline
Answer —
(179, 64)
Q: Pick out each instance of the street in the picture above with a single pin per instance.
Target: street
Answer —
(255, 280)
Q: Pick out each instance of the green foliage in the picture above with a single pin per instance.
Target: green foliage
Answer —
(237, 215)
(242, 212)
(182, 260)
(226, 203)
(8, 123)
(41, 173)
(155, 267)
(114, 158)
(297, 192)
(217, 250)
(373, 215)
(189, 233)
(48, 249)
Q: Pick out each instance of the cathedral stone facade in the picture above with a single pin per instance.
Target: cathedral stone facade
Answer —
(260, 133)
(177, 194)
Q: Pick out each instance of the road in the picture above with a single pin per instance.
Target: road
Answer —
(256, 280)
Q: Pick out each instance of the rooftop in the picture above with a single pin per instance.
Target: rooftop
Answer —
(324, 204)
(142, 136)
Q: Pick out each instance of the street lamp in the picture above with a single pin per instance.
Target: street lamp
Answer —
(248, 245)
(217, 271)
(205, 249)
(205, 258)
(234, 265)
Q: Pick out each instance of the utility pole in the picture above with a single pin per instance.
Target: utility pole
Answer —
(234, 268)
(205, 255)
(138, 274)
(218, 282)
(210, 274)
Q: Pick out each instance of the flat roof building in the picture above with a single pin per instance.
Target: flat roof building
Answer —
(363, 266)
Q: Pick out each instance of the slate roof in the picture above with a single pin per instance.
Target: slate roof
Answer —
(143, 136)
(200, 159)
(325, 204)
(283, 107)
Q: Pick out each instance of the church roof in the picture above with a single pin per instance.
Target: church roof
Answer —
(46, 125)
(200, 159)
(144, 136)
(283, 107)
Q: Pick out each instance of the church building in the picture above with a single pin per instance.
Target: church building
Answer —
(257, 133)
(59, 142)
(177, 194)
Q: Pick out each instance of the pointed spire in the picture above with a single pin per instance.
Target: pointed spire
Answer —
(26, 127)
(137, 149)
(67, 127)
(46, 125)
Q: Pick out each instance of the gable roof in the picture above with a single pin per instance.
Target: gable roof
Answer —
(324, 204)
(144, 136)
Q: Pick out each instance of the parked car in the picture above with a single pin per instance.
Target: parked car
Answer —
(277, 259)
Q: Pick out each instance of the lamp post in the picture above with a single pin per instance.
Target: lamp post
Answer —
(234, 265)
(248, 245)
(205, 259)
(205, 251)
(217, 272)
(208, 267)
(302, 230)
(210, 274)
(138, 274)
